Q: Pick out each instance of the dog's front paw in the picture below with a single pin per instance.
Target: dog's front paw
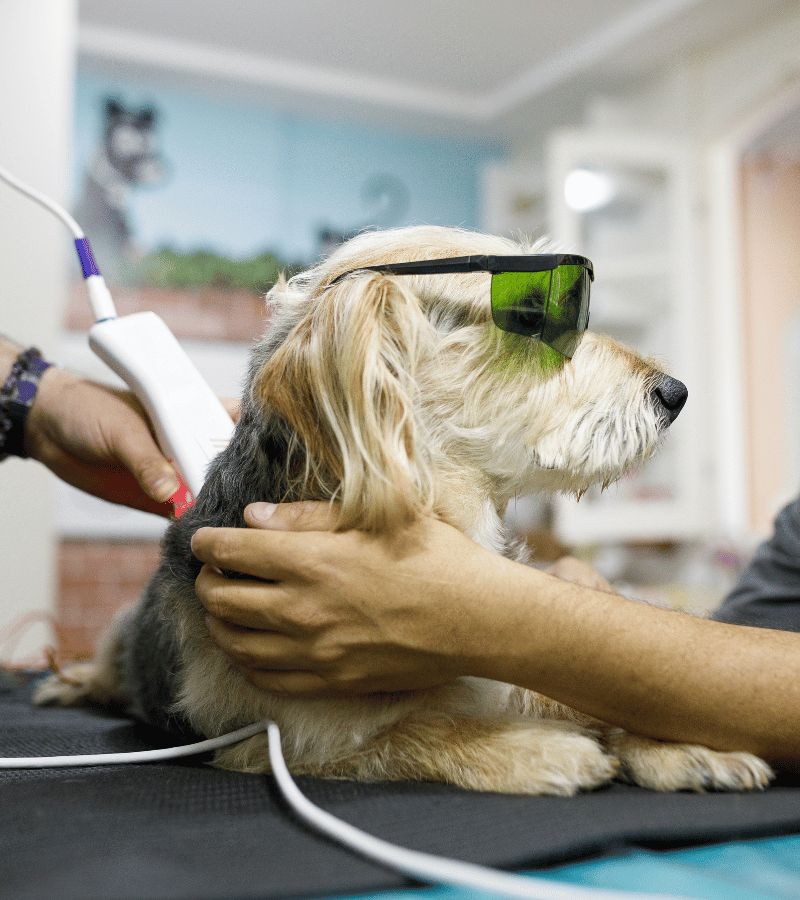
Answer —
(663, 766)
(559, 760)
(509, 755)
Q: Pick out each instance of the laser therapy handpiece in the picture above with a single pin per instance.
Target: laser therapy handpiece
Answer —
(191, 424)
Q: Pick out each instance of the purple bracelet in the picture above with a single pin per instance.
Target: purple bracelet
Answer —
(16, 399)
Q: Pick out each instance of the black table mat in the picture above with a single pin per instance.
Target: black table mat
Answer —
(184, 831)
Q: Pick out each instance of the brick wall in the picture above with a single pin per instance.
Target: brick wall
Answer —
(202, 314)
(96, 578)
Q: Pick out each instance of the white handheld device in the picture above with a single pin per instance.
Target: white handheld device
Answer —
(191, 424)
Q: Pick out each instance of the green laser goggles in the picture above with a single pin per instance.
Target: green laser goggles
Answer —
(544, 297)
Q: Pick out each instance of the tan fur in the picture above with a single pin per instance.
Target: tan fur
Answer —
(402, 398)
(358, 351)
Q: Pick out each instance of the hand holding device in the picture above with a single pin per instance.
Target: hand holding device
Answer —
(191, 424)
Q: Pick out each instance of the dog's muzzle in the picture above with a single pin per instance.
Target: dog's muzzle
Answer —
(669, 397)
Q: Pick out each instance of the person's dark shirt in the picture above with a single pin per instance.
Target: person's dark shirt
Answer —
(768, 592)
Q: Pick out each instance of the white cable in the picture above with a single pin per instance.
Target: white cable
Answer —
(425, 866)
(46, 202)
(137, 756)
(99, 294)
(420, 866)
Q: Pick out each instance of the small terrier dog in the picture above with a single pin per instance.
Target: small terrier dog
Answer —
(398, 396)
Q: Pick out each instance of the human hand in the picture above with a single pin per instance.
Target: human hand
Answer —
(99, 439)
(344, 612)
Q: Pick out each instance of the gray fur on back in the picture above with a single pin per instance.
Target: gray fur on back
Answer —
(252, 468)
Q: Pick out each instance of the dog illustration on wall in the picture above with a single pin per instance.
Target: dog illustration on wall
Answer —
(127, 158)
(420, 370)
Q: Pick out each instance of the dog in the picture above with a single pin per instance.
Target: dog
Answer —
(397, 396)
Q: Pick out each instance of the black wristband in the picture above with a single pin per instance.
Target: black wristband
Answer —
(16, 399)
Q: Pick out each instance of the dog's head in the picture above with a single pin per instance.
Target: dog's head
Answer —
(402, 396)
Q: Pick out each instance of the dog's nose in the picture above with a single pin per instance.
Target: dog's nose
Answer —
(669, 397)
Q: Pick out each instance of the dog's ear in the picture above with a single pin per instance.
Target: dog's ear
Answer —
(345, 379)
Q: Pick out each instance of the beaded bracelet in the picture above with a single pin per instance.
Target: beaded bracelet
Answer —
(16, 399)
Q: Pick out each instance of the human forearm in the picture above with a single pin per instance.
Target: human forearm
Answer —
(651, 671)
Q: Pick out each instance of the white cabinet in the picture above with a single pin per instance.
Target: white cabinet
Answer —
(644, 240)
(640, 231)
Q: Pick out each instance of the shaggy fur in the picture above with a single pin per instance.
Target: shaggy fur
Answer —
(397, 396)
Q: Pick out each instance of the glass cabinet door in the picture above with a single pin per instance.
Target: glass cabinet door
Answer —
(625, 200)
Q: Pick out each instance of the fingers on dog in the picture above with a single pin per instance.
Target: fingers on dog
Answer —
(255, 553)
(257, 608)
(257, 650)
(299, 684)
(236, 602)
(306, 515)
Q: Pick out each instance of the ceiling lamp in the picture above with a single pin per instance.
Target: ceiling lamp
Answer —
(585, 190)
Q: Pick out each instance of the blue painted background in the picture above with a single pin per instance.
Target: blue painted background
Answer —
(245, 178)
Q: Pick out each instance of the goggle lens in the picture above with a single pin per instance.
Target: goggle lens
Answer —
(519, 301)
(552, 305)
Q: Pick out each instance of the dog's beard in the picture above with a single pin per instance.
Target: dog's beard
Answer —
(529, 421)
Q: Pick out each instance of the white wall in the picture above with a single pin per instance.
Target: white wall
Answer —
(715, 98)
(743, 88)
(37, 63)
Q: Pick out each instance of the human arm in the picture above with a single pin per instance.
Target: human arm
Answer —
(353, 612)
(96, 438)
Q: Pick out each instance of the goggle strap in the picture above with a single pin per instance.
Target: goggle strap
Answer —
(482, 263)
